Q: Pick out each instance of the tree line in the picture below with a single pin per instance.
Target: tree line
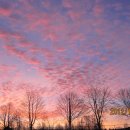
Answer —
(89, 109)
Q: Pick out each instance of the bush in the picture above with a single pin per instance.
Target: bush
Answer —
(8, 128)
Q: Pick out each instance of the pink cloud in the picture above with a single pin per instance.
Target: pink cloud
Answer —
(76, 37)
(6, 68)
(37, 20)
(67, 3)
(8, 36)
(98, 10)
(32, 61)
(22, 55)
(48, 29)
(25, 44)
(34, 49)
(5, 12)
(75, 15)
(50, 35)
(47, 53)
(2, 34)
(7, 71)
(13, 50)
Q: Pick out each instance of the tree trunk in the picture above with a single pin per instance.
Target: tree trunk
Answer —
(70, 120)
(99, 126)
(4, 124)
(70, 125)
(31, 127)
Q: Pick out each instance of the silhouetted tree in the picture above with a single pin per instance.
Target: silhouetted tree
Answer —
(33, 105)
(6, 115)
(88, 122)
(98, 100)
(43, 123)
(3, 115)
(17, 119)
(71, 106)
(124, 97)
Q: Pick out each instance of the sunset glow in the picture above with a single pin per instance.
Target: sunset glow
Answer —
(48, 45)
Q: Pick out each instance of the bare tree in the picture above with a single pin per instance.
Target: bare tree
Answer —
(44, 121)
(6, 115)
(98, 100)
(71, 107)
(17, 119)
(33, 105)
(124, 97)
(88, 122)
(3, 115)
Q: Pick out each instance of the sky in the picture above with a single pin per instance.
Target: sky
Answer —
(48, 43)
